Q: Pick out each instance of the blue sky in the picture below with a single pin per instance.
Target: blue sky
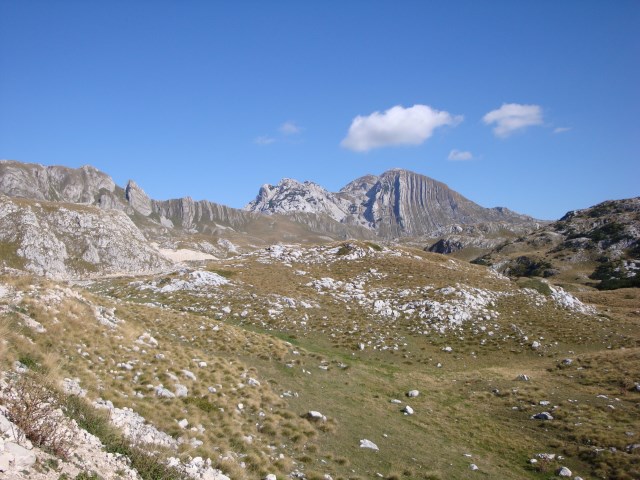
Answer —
(213, 99)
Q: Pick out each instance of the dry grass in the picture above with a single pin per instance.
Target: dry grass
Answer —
(307, 359)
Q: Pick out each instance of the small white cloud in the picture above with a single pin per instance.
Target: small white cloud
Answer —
(460, 155)
(264, 140)
(290, 128)
(513, 116)
(396, 126)
(561, 129)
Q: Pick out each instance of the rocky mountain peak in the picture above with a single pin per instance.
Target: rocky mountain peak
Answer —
(290, 195)
(395, 204)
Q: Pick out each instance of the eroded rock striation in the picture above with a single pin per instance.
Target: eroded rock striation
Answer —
(398, 203)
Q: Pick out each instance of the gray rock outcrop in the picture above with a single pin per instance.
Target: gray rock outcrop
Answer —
(138, 199)
(398, 203)
(73, 241)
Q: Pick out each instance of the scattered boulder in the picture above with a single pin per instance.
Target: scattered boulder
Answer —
(16, 456)
(71, 386)
(181, 390)
(364, 443)
(563, 472)
(408, 410)
(523, 378)
(473, 467)
(413, 393)
(164, 392)
(542, 416)
(315, 416)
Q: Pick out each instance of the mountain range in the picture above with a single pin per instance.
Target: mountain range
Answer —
(396, 204)
(75, 222)
(186, 340)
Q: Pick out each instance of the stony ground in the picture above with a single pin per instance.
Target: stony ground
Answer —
(349, 360)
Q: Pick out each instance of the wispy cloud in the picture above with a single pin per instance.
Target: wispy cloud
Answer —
(290, 128)
(460, 155)
(511, 117)
(264, 140)
(396, 126)
(561, 129)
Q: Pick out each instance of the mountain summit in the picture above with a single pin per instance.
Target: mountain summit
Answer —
(398, 203)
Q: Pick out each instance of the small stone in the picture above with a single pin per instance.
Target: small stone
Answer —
(270, 476)
(523, 378)
(563, 472)
(184, 423)
(473, 467)
(407, 410)
(413, 393)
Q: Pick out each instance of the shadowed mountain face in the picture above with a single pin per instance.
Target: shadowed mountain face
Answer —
(597, 243)
(398, 203)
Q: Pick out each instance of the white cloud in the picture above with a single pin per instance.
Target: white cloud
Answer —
(513, 116)
(290, 128)
(264, 140)
(460, 155)
(561, 129)
(396, 126)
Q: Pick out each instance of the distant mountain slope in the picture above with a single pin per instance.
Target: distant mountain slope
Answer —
(398, 203)
(72, 241)
(160, 219)
(597, 243)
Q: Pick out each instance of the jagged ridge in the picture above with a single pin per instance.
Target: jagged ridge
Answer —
(398, 203)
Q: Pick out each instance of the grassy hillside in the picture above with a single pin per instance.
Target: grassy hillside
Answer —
(347, 330)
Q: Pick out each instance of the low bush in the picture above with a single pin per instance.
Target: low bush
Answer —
(34, 407)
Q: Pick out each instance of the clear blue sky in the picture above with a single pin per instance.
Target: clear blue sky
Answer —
(213, 99)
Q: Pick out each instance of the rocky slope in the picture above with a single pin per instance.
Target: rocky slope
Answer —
(273, 363)
(398, 203)
(72, 240)
(601, 242)
(165, 221)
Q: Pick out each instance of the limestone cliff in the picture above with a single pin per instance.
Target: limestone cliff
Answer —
(71, 241)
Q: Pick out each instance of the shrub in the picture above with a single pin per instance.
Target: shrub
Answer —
(34, 407)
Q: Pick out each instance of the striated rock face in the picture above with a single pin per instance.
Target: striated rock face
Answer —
(73, 241)
(398, 203)
(189, 214)
(138, 199)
